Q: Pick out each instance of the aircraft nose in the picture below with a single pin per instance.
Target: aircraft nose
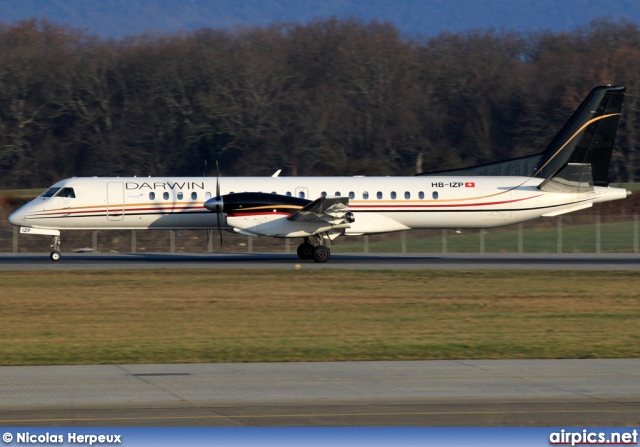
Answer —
(17, 218)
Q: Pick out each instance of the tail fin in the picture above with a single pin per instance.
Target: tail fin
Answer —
(587, 138)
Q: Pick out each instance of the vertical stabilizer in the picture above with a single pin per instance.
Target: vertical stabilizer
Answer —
(588, 136)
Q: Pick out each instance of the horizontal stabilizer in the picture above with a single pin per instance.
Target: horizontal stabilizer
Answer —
(571, 178)
(568, 209)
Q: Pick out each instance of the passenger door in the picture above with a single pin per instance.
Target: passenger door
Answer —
(115, 200)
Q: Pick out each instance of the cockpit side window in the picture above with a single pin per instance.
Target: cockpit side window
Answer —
(66, 192)
(50, 192)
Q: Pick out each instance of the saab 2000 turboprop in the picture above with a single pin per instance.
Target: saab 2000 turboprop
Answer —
(570, 175)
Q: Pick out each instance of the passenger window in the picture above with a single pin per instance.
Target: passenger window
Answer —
(365, 195)
(393, 195)
(323, 193)
(289, 193)
(165, 195)
(338, 194)
(207, 196)
(194, 195)
(379, 195)
(352, 195)
(180, 195)
(421, 195)
(435, 195)
(301, 194)
(407, 195)
(152, 196)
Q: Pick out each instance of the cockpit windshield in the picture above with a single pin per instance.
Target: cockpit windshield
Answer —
(50, 192)
(66, 192)
(59, 192)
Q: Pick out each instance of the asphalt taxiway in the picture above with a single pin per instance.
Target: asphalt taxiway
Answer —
(403, 393)
(541, 261)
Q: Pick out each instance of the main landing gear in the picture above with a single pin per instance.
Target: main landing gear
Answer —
(55, 254)
(319, 253)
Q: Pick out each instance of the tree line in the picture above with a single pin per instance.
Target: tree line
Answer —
(331, 97)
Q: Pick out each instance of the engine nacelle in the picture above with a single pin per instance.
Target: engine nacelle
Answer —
(267, 215)
(255, 204)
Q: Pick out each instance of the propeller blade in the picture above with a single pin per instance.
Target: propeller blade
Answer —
(219, 207)
(219, 227)
(217, 179)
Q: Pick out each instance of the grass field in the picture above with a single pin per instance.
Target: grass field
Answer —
(169, 316)
(615, 237)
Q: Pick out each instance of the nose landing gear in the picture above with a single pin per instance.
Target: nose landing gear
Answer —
(55, 254)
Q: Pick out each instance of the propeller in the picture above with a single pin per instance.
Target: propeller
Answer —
(219, 204)
(216, 204)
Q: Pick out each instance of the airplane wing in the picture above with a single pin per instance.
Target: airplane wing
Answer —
(334, 210)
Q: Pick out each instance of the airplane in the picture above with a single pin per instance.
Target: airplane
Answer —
(569, 175)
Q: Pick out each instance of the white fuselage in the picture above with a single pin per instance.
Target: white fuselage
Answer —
(379, 204)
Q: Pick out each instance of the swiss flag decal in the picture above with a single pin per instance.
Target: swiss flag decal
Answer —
(469, 185)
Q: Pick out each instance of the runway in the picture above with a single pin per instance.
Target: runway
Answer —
(538, 261)
(404, 393)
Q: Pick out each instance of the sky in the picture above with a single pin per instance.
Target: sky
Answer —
(415, 18)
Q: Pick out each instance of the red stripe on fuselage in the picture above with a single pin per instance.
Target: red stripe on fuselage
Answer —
(55, 213)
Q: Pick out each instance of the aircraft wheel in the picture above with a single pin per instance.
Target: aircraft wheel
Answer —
(321, 253)
(305, 250)
(55, 255)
